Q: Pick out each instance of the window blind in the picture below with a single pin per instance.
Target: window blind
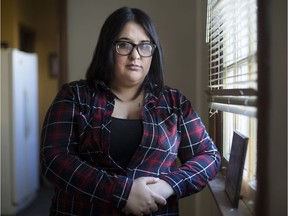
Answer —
(232, 38)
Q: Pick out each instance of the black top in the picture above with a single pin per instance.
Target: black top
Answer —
(126, 135)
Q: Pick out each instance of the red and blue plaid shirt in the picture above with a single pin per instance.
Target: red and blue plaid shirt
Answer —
(75, 150)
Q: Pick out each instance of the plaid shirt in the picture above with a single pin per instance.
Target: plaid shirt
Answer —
(75, 150)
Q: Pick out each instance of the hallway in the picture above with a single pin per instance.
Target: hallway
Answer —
(41, 204)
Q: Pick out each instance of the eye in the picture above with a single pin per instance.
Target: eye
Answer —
(123, 45)
(146, 46)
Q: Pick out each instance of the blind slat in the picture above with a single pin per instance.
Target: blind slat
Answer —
(242, 110)
(243, 101)
(232, 92)
(244, 97)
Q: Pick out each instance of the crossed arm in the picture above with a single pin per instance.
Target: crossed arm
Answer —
(146, 194)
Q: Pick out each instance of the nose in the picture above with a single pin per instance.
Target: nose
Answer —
(134, 53)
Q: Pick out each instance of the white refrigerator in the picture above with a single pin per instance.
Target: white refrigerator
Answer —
(19, 130)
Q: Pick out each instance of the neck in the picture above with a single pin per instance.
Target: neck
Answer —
(126, 94)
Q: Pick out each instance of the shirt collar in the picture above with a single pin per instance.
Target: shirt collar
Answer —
(101, 86)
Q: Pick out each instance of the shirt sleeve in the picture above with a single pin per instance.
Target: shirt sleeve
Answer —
(61, 164)
(200, 159)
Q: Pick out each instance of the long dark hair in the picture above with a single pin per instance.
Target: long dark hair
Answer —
(101, 66)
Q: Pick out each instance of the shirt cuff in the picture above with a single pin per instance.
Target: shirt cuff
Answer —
(121, 192)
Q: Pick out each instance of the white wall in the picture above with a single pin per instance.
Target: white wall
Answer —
(181, 28)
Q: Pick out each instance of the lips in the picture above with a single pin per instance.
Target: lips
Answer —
(134, 66)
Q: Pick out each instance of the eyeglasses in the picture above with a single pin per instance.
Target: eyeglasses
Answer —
(125, 48)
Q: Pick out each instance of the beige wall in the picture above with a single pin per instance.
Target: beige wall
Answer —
(9, 20)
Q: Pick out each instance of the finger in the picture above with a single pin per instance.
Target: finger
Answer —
(147, 212)
(154, 208)
(159, 199)
(150, 180)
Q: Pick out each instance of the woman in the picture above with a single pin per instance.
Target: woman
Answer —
(110, 142)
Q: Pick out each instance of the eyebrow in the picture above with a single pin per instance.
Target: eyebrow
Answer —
(129, 40)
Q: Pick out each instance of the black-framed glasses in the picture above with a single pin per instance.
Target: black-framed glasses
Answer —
(125, 48)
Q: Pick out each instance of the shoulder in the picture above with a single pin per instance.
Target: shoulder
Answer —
(76, 89)
(168, 96)
(178, 102)
(173, 94)
(172, 98)
(78, 86)
(172, 90)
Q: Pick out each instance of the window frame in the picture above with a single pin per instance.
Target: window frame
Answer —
(215, 128)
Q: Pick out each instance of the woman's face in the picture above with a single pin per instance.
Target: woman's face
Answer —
(131, 70)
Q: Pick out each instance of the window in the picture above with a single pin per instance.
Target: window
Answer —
(232, 94)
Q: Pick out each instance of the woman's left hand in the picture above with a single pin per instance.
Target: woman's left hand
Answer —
(162, 188)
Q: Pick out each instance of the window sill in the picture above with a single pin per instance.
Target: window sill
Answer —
(217, 187)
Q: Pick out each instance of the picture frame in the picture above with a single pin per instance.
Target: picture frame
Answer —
(236, 163)
(53, 65)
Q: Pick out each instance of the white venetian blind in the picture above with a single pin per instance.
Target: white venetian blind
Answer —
(232, 37)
